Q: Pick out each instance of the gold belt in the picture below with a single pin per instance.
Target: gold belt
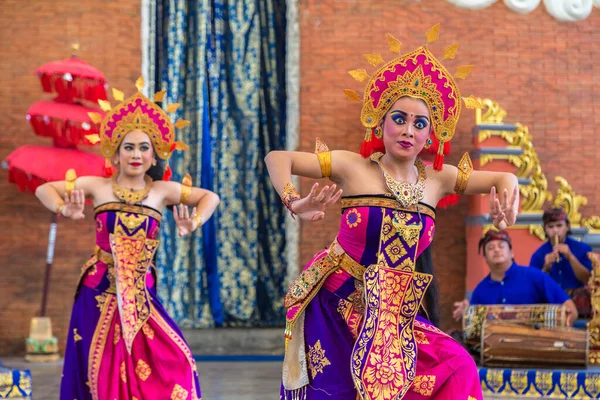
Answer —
(346, 262)
(104, 256)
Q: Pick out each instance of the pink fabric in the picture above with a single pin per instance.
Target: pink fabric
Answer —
(124, 377)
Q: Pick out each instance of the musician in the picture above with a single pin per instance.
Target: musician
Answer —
(564, 258)
(510, 283)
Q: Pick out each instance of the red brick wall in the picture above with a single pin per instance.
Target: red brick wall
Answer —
(34, 32)
(543, 72)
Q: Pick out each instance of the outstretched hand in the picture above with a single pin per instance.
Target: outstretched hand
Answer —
(185, 222)
(505, 214)
(313, 206)
(74, 205)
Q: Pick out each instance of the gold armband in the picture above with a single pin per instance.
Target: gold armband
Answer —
(70, 178)
(186, 189)
(324, 156)
(465, 166)
(288, 196)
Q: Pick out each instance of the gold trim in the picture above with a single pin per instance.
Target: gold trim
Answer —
(465, 166)
(569, 200)
(391, 203)
(127, 208)
(98, 344)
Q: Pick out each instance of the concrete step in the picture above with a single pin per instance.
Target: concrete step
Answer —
(236, 341)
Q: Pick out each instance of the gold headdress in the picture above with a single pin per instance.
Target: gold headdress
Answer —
(416, 74)
(137, 113)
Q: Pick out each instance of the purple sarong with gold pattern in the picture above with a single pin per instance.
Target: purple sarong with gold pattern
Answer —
(353, 329)
(121, 342)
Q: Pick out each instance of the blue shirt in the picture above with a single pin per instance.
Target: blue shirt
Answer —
(521, 285)
(562, 272)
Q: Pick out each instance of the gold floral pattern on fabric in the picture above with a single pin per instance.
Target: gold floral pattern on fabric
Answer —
(117, 334)
(568, 383)
(76, 336)
(383, 359)
(143, 370)
(179, 393)
(421, 337)
(543, 382)
(395, 250)
(353, 218)
(351, 315)
(148, 331)
(132, 258)
(430, 233)
(518, 381)
(99, 225)
(387, 229)
(317, 359)
(410, 232)
(424, 384)
(391, 203)
(592, 384)
(100, 299)
(98, 344)
(123, 372)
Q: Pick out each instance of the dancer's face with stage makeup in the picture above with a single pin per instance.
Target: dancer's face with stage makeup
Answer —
(406, 128)
(135, 154)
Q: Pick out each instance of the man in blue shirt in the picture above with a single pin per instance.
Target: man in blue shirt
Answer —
(509, 283)
(565, 259)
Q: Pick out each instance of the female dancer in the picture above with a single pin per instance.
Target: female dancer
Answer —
(361, 317)
(121, 342)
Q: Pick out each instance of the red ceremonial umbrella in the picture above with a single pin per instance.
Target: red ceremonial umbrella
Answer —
(68, 124)
(73, 78)
(31, 166)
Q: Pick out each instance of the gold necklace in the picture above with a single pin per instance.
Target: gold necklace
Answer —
(406, 194)
(131, 196)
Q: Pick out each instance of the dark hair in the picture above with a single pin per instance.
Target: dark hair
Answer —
(157, 171)
(425, 265)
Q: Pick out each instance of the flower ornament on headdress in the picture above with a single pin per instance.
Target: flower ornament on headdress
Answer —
(138, 113)
(417, 74)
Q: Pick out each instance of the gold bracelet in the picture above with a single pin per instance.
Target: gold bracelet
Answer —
(465, 166)
(60, 206)
(288, 196)
(70, 178)
(199, 219)
(186, 189)
(324, 156)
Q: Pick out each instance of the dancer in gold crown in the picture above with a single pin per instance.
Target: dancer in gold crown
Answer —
(362, 316)
(121, 342)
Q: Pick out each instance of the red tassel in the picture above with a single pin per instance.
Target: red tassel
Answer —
(448, 201)
(371, 144)
(168, 174)
(438, 163)
(108, 169)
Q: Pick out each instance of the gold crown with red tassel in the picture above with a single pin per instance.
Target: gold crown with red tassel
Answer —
(417, 74)
(137, 113)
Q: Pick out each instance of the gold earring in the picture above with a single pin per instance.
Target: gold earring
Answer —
(116, 162)
(154, 162)
(428, 143)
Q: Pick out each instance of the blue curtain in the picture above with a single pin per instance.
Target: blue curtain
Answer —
(224, 62)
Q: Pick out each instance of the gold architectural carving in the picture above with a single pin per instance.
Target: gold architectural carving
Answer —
(569, 200)
(594, 324)
(492, 113)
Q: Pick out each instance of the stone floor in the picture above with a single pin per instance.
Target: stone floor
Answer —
(219, 380)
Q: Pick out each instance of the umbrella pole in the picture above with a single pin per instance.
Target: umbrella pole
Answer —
(49, 260)
(41, 345)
